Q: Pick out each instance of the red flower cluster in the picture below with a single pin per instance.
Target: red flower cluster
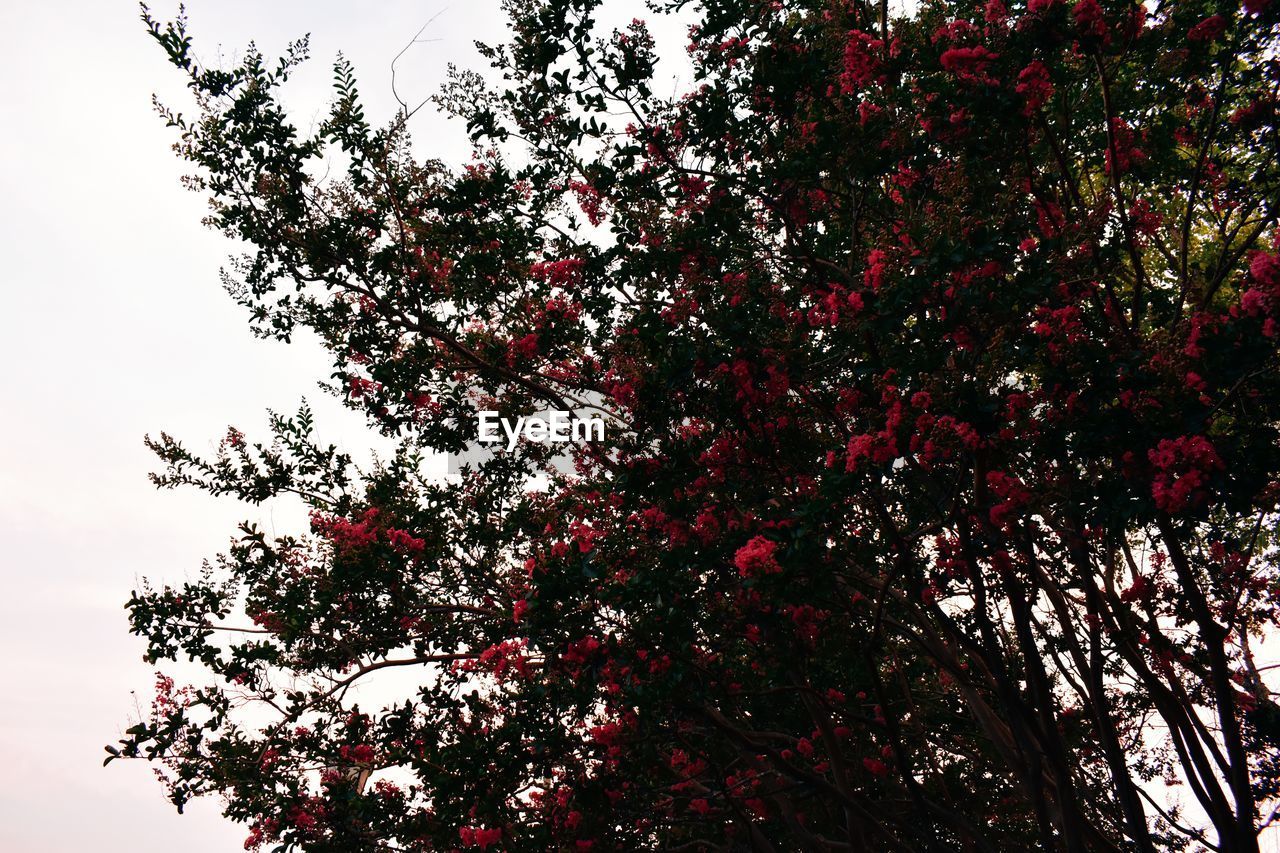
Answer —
(1128, 152)
(1263, 298)
(502, 659)
(1089, 20)
(344, 533)
(1208, 30)
(970, 63)
(1034, 86)
(522, 349)
(877, 268)
(361, 753)
(347, 535)
(1183, 467)
(401, 540)
(360, 387)
(860, 62)
(472, 836)
(562, 273)
(1012, 493)
(589, 200)
(757, 558)
(876, 767)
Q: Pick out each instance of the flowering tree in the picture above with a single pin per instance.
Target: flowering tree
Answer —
(937, 509)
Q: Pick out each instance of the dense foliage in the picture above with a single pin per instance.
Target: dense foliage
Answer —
(938, 505)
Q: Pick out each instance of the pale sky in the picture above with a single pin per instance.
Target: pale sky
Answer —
(113, 324)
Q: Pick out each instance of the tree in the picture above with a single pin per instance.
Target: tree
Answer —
(938, 505)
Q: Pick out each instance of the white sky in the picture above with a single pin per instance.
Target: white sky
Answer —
(113, 324)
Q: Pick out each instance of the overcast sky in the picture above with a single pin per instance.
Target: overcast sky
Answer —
(112, 325)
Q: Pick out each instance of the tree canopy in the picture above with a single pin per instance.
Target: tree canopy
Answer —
(938, 504)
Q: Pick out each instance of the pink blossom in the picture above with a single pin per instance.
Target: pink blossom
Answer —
(1088, 17)
(1034, 86)
(757, 558)
(478, 837)
(1183, 467)
(875, 766)
(969, 63)
(860, 61)
(1208, 30)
